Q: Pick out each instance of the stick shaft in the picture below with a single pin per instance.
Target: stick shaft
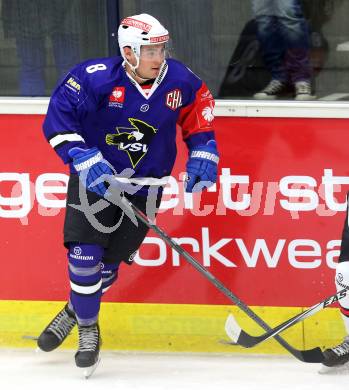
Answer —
(311, 356)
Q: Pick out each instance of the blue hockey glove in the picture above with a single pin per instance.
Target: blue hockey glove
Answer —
(202, 167)
(91, 167)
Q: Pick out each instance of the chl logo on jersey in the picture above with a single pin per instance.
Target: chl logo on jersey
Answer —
(133, 140)
(174, 99)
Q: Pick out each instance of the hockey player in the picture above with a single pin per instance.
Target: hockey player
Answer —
(106, 118)
(339, 355)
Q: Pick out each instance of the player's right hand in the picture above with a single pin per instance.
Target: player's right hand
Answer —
(93, 170)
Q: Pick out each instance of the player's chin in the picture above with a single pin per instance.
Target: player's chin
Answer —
(155, 72)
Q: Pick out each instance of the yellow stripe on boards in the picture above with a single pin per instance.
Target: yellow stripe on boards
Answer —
(170, 327)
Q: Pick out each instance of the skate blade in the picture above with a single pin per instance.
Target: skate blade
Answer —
(226, 342)
(337, 370)
(88, 371)
(30, 337)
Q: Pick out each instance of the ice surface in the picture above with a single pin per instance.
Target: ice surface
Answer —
(28, 370)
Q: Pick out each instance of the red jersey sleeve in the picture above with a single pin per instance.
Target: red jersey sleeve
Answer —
(197, 117)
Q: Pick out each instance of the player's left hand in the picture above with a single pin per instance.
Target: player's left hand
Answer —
(202, 167)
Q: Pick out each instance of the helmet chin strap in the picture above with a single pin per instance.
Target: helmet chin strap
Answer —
(133, 69)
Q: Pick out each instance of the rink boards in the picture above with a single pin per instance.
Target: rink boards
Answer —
(270, 231)
(169, 327)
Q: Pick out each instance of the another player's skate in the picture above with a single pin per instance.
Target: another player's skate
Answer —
(87, 356)
(57, 330)
(336, 357)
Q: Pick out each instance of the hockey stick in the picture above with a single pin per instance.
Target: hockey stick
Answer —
(240, 337)
(314, 355)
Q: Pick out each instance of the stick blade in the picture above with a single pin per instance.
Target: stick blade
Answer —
(232, 328)
(314, 355)
(238, 335)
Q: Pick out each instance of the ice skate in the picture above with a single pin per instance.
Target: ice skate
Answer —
(87, 356)
(57, 330)
(336, 358)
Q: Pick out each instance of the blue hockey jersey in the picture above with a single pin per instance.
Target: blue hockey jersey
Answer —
(99, 104)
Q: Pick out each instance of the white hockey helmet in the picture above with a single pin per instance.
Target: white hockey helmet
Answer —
(138, 30)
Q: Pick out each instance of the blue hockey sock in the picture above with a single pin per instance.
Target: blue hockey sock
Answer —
(109, 275)
(85, 281)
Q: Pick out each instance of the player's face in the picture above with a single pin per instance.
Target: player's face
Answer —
(150, 60)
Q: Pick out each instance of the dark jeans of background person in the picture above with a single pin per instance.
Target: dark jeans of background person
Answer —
(31, 23)
(32, 55)
(284, 37)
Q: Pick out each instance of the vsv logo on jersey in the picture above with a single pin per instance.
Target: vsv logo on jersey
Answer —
(133, 140)
(117, 97)
(174, 99)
